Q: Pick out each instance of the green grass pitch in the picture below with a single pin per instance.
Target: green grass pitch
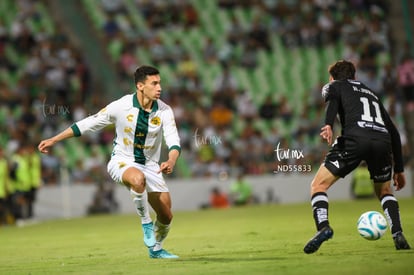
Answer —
(262, 239)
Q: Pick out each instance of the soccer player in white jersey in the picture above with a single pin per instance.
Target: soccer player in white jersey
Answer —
(141, 122)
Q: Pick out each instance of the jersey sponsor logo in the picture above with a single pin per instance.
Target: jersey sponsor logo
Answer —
(144, 147)
(156, 121)
(335, 163)
(369, 125)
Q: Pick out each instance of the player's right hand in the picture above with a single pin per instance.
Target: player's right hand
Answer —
(399, 181)
(44, 145)
(326, 133)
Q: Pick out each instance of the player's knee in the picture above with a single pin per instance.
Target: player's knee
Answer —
(137, 182)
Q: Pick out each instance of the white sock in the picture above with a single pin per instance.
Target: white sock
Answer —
(161, 232)
(141, 204)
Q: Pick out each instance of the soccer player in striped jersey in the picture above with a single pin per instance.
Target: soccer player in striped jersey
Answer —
(141, 122)
(369, 134)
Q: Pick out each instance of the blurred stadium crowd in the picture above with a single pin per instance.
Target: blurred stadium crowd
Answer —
(242, 77)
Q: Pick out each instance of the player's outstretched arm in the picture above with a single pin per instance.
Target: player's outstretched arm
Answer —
(44, 145)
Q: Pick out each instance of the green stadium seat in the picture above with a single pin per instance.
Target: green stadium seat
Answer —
(46, 23)
(95, 13)
(115, 47)
(135, 15)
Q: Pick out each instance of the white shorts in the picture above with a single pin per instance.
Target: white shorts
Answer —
(154, 181)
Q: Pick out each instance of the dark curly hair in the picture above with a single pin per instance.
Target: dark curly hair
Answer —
(342, 70)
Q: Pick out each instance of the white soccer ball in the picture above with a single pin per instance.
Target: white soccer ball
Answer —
(372, 225)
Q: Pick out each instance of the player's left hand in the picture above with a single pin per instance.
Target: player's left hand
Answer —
(399, 181)
(166, 167)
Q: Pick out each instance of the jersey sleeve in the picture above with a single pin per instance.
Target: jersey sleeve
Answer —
(395, 141)
(170, 131)
(331, 98)
(95, 122)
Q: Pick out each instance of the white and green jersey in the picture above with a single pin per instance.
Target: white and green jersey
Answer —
(138, 133)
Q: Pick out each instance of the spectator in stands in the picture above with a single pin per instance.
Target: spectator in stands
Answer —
(209, 51)
(111, 27)
(241, 191)
(327, 25)
(35, 169)
(4, 189)
(268, 109)
(218, 199)
(78, 172)
(225, 82)
(189, 15)
(259, 34)
(20, 177)
(158, 51)
(235, 31)
(246, 108)
(218, 168)
(220, 115)
(373, 80)
(406, 80)
(176, 53)
(285, 110)
(361, 184)
(22, 38)
(248, 58)
(113, 7)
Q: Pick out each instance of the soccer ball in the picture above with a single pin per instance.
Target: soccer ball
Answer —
(372, 225)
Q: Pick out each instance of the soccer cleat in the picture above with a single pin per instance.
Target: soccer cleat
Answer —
(161, 254)
(400, 241)
(323, 235)
(149, 237)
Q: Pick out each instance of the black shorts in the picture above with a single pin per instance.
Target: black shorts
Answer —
(348, 152)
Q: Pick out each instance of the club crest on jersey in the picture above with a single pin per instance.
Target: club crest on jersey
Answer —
(156, 121)
(128, 130)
